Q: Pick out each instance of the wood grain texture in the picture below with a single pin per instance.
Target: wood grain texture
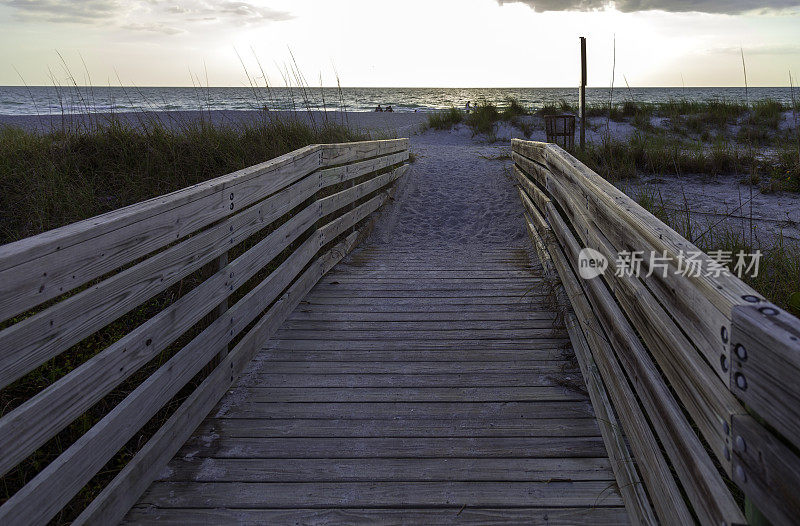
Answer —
(621, 458)
(385, 404)
(39, 418)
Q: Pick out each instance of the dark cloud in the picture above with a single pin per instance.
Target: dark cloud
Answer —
(674, 6)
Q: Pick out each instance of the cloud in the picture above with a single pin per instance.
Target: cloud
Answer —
(674, 6)
(153, 28)
(161, 16)
(80, 11)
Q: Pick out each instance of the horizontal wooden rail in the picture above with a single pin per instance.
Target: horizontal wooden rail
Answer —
(691, 362)
(288, 221)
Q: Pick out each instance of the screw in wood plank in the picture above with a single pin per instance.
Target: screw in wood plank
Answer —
(740, 444)
(768, 311)
(723, 362)
(741, 381)
(750, 298)
(741, 352)
(723, 332)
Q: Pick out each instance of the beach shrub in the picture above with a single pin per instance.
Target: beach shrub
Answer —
(51, 179)
(483, 118)
(445, 120)
(513, 108)
(658, 154)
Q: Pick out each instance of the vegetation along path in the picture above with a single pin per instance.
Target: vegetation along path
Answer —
(426, 379)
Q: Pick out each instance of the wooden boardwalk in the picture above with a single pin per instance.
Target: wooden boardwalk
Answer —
(420, 387)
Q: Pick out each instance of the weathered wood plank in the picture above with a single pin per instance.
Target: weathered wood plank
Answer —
(461, 515)
(388, 469)
(508, 377)
(398, 315)
(765, 365)
(414, 394)
(404, 427)
(407, 494)
(767, 471)
(621, 458)
(124, 490)
(445, 355)
(52, 263)
(666, 495)
(420, 344)
(248, 409)
(328, 367)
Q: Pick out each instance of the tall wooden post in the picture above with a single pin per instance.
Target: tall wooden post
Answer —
(583, 93)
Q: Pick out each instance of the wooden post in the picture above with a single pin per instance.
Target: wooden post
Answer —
(583, 93)
(222, 262)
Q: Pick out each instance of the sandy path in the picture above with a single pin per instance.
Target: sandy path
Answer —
(454, 197)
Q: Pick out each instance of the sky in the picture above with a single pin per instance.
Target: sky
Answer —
(408, 43)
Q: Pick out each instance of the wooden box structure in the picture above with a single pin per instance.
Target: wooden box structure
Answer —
(560, 129)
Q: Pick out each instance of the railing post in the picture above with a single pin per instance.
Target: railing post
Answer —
(582, 109)
(221, 263)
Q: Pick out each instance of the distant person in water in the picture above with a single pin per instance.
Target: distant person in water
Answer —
(467, 108)
(389, 109)
(379, 108)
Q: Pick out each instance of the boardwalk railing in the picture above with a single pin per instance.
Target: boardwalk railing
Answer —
(207, 273)
(698, 372)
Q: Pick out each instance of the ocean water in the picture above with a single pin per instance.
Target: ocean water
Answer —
(45, 100)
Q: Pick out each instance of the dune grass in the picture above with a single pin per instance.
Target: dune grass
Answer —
(51, 179)
(778, 278)
(445, 120)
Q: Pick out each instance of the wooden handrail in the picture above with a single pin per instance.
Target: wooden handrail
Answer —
(287, 230)
(699, 352)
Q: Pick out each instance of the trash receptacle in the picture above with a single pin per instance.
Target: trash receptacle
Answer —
(560, 129)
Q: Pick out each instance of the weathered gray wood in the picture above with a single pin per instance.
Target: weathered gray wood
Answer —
(767, 471)
(327, 367)
(417, 344)
(46, 413)
(94, 448)
(414, 394)
(666, 496)
(626, 225)
(623, 464)
(396, 494)
(116, 498)
(406, 427)
(700, 478)
(765, 359)
(42, 336)
(460, 515)
(444, 355)
(690, 376)
(389, 469)
(549, 377)
(403, 315)
(408, 409)
(55, 262)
